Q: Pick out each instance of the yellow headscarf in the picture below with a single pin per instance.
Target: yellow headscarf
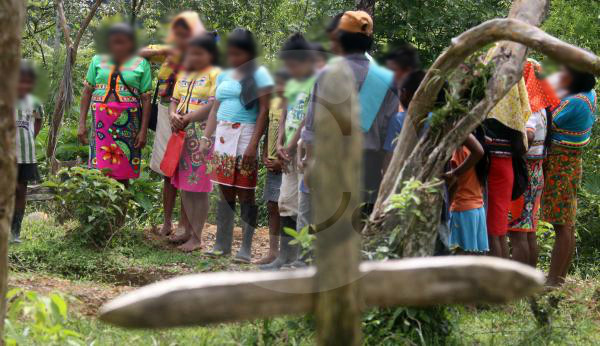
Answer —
(192, 19)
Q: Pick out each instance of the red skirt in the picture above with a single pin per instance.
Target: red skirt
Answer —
(500, 184)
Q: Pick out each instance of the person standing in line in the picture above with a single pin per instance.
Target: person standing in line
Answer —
(274, 166)
(524, 210)
(571, 131)
(298, 59)
(238, 121)
(28, 117)
(192, 100)
(117, 87)
(184, 26)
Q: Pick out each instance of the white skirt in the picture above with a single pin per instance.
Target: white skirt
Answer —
(161, 138)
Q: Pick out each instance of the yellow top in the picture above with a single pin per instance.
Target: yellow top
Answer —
(195, 89)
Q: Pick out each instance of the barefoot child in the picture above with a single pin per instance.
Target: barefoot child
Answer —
(467, 216)
(28, 118)
(192, 101)
(273, 165)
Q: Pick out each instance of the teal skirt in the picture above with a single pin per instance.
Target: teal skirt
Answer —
(468, 230)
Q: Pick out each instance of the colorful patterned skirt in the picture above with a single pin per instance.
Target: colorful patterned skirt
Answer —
(116, 125)
(227, 167)
(524, 211)
(192, 173)
(563, 172)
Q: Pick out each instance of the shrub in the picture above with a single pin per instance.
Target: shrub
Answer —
(97, 202)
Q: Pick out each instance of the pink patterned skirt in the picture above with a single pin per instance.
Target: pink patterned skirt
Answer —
(116, 125)
(191, 174)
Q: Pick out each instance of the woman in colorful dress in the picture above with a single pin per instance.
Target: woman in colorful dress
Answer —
(571, 131)
(184, 26)
(118, 87)
(191, 103)
(238, 121)
(524, 210)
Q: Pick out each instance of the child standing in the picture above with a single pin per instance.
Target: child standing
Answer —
(298, 59)
(28, 117)
(274, 166)
(468, 230)
(190, 106)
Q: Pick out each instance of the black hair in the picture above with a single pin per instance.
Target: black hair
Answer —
(208, 42)
(582, 81)
(180, 22)
(406, 57)
(122, 29)
(319, 50)
(355, 42)
(411, 83)
(27, 70)
(283, 74)
(244, 39)
(334, 23)
(296, 48)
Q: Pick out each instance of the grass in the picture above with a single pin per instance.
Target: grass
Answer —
(567, 316)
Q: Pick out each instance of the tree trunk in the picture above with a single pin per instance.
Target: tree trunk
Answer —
(65, 90)
(11, 15)
(336, 196)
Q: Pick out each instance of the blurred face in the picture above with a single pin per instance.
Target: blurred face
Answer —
(565, 79)
(298, 68)
(279, 85)
(399, 72)
(237, 57)
(25, 86)
(197, 58)
(120, 47)
(181, 35)
(334, 43)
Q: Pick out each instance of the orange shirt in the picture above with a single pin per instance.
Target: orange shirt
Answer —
(469, 194)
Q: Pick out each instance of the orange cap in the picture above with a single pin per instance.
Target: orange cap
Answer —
(357, 22)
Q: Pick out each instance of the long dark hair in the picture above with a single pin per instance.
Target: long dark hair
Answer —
(582, 81)
(244, 39)
(208, 42)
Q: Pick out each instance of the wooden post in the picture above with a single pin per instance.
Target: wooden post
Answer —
(336, 181)
(11, 15)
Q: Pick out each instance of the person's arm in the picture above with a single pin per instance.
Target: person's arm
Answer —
(259, 129)
(154, 53)
(37, 126)
(140, 141)
(84, 106)
(281, 151)
(209, 131)
(200, 114)
(476, 153)
(292, 146)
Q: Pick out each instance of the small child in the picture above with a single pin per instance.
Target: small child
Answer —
(28, 117)
(274, 166)
(467, 215)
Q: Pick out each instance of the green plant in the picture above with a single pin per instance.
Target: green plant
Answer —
(98, 202)
(303, 238)
(46, 318)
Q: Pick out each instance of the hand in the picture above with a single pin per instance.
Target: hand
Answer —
(249, 157)
(283, 154)
(140, 140)
(82, 134)
(204, 148)
(175, 121)
(273, 165)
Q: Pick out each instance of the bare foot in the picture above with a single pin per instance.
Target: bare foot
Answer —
(192, 244)
(178, 238)
(165, 230)
(267, 259)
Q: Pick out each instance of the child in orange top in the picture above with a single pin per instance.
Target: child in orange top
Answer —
(467, 216)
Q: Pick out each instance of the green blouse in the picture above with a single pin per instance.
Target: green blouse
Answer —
(136, 73)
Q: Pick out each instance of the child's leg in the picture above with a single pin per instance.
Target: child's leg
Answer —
(533, 249)
(19, 212)
(520, 246)
(169, 194)
(184, 222)
(274, 225)
(197, 206)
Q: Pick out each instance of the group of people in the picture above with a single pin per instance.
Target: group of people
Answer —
(523, 162)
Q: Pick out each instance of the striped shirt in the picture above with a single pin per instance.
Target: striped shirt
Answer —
(28, 109)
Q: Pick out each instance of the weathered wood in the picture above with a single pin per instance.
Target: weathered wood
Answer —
(336, 183)
(11, 17)
(39, 193)
(528, 11)
(230, 297)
